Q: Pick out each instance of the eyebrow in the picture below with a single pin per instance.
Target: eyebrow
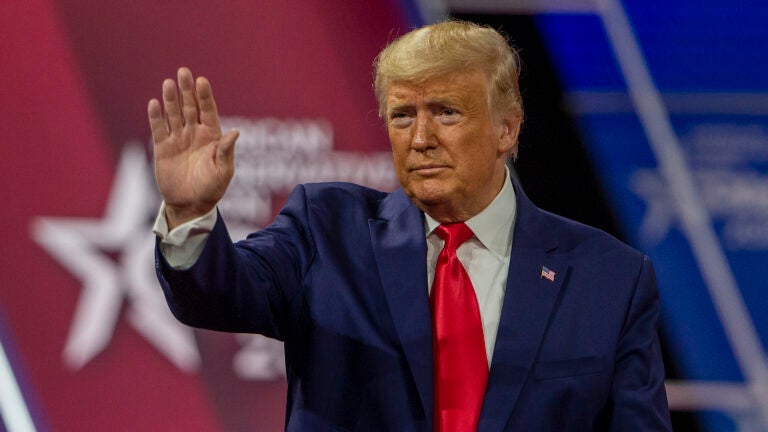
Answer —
(443, 100)
(392, 108)
(433, 101)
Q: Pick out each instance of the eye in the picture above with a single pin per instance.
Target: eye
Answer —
(399, 119)
(449, 115)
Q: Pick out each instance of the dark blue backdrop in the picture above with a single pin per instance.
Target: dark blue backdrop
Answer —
(707, 63)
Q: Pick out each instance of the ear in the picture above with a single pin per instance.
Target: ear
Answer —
(509, 129)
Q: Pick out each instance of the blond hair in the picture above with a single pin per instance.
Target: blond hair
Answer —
(448, 47)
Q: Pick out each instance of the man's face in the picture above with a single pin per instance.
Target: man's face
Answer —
(449, 149)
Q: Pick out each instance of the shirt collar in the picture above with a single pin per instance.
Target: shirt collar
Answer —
(494, 225)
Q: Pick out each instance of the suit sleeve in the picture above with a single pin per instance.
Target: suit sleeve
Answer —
(639, 401)
(250, 286)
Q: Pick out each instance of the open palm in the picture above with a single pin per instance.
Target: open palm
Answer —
(194, 162)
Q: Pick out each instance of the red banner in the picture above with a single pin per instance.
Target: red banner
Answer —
(90, 342)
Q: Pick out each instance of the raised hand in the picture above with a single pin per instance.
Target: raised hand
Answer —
(194, 162)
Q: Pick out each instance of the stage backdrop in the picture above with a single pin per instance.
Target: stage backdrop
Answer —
(672, 98)
(87, 341)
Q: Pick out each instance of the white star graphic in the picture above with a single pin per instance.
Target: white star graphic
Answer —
(81, 246)
(267, 156)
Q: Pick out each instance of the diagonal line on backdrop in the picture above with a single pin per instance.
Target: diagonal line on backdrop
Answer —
(695, 222)
(13, 410)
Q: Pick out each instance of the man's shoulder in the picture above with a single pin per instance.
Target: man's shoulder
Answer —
(581, 239)
(323, 188)
(335, 197)
(342, 191)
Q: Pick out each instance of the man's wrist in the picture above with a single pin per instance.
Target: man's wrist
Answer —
(182, 245)
(177, 216)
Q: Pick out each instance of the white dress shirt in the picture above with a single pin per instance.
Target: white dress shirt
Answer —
(183, 245)
(485, 256)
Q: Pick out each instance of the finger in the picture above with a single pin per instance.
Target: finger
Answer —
(171, 103)
(209, 114)
(188, 98)
(156, 121)
(225, 151)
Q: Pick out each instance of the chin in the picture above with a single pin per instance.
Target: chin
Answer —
(425, 196)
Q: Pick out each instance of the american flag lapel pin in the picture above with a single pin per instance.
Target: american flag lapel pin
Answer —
(547, 274)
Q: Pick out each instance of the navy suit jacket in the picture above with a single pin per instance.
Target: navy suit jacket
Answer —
(340, 276)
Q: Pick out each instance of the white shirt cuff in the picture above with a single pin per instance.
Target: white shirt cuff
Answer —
(183, 245)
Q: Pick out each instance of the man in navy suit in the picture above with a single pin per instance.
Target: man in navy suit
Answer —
(563, 317)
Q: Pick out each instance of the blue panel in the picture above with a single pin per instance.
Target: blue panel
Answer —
(581, 50)
(708, 61)
(703, 45)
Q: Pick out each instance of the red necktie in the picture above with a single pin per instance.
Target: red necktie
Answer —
(461, 366)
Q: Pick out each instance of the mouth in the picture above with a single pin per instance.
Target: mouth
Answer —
(428, 170)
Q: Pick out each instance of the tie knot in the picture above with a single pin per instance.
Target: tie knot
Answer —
(454, 234)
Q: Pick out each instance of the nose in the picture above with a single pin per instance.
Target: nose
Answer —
(422, 138)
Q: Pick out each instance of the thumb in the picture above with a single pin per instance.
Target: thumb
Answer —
(226, 148)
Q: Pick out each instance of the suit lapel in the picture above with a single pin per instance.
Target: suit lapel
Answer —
(401, 254)
(399, 245)
(529, 301)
